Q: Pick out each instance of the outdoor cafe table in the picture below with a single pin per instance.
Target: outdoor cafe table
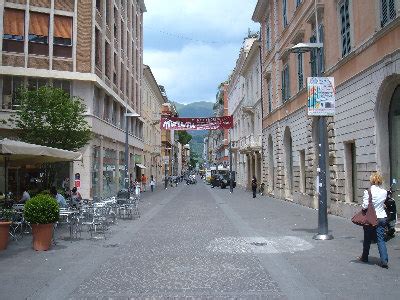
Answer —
(66, 215)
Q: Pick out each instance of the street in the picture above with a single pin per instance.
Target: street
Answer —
(194, 241)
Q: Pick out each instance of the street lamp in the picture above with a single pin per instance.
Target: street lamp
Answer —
(322, 192)
(127, 115)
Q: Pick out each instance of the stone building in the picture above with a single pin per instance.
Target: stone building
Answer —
(244, 103)
(151, 112)
(361, 42)
(93, 50)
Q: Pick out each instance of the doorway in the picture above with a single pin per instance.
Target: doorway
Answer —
(394, 141)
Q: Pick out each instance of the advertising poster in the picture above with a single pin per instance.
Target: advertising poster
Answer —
(321, 96)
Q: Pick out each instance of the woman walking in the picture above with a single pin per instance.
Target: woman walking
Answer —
(152, 183)
(254, 186)
(378, 198)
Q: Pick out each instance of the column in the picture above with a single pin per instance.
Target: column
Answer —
(101, 165)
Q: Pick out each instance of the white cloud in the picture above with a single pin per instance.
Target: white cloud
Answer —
(192, 45)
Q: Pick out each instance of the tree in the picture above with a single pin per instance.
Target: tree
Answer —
(51, 117)
(184, 137)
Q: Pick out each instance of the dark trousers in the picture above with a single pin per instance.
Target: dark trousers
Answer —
(369, 235)
(254, 192)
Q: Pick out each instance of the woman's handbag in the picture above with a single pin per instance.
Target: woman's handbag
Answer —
(366, 217)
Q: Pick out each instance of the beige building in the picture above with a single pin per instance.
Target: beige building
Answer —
(151, 113)
(361, 51)
(91, 49)
(244, 104)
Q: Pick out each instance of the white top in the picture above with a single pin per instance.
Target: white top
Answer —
(378, 199)
(152, 182)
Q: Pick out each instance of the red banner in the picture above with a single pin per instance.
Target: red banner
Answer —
(172, 123)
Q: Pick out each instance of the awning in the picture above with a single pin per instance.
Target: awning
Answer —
(140, 166)
(20, 153)
(14, 21)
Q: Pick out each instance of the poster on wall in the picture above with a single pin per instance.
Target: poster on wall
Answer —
(321, 96)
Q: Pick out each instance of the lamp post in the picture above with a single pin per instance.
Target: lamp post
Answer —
(322, 192)
(127, 115)
(230, 163)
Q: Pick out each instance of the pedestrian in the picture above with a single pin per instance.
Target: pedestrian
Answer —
(25, 196)
(76, 198)
(152, 183)
(59, 198)
(378, 198)
(254, 186)
(144, 182)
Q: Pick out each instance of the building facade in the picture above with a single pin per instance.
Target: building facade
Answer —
(93, 50)
(361, 42)
(244, 103)
(151, 112)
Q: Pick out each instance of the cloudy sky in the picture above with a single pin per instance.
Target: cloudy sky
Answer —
(192, 45)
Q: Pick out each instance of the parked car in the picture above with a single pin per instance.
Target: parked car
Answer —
(222, 180)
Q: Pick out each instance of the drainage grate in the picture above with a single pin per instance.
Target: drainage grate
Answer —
(259, 244)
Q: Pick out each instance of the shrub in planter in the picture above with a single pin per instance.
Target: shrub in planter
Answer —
(42, 211)
(5, 222)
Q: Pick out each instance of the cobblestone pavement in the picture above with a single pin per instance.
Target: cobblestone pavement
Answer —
(197, 242)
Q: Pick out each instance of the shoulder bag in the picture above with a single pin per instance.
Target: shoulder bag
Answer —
(366, 217)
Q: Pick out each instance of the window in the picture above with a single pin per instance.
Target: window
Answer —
(269, 96)
(267, 36)
(108, 59)
(115, 69)
(298, 2)
(38, 28)
(98, 5)
(108, 12)
(62, 30)
(284, 12)
(345, 27)
(11, 85)
(13, 27)
(285, 83)
(300, 75)
(13, 24)
(97, 48)
(65, 85)
(317, 56)
(388, 11)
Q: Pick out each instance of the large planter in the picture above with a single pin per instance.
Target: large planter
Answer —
(42, 236)
(4, 233)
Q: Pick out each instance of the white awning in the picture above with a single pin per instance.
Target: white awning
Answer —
(140, 166)
(19, 153)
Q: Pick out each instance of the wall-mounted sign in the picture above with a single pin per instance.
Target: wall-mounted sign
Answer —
(321, 96)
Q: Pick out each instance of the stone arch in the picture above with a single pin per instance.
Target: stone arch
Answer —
(382, 108)
(271, 169)
(288, 162)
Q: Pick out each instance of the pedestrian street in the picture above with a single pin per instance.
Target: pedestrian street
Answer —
(201, 242)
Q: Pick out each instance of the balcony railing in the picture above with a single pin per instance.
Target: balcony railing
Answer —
(250, 143)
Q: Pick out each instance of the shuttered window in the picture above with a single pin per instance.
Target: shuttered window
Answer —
(285, 84)
(345, 27)
(284, 13)
(13, 24)
(38, 27)
(62, 30)
(388, 11)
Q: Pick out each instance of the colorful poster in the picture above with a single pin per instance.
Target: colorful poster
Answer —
(321, 96)
(172, 123)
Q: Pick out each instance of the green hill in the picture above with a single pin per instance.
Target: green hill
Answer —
(201, 109)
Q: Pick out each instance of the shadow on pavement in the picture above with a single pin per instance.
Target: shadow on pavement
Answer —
(309, 230)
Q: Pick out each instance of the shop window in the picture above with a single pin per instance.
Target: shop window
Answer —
(13, 30)
(108, 59)
(39, 33)
(62, 36)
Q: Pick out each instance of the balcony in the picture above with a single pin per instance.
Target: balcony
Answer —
(250, 143)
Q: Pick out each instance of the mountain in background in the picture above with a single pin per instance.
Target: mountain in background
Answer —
(201, 109)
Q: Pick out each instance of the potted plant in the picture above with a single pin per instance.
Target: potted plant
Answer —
(5, 222)
(42, 212)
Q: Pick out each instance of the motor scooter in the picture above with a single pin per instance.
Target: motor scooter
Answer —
(390, 207)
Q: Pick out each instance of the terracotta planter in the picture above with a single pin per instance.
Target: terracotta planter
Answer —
(42, 236)
(4, 229)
